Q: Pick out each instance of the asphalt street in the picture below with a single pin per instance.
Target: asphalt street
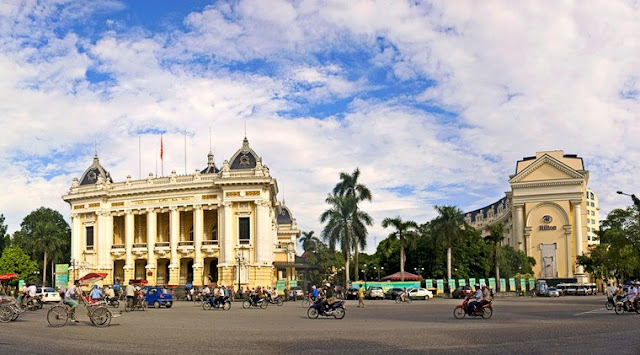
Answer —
(565, 325)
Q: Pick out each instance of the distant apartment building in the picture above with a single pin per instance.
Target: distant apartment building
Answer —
(593, 217)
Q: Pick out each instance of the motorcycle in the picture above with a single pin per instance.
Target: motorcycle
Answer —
(461, 311)
(276, 300)
(625, 306)
(403, 297)
(38, 302)
(252, 302)
(335, 310)
(223, 303)
(113, 302)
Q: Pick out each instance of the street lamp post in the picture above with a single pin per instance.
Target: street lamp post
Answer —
(364, 271)
(37, 272)
(240, 259)
(636, 201)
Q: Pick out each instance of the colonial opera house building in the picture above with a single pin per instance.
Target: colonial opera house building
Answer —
(223, 225)
(550, 214)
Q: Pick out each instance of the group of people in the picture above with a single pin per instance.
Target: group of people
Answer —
(481, 297)
(631, 294)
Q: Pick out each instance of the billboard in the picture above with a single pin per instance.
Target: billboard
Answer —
(62, 275)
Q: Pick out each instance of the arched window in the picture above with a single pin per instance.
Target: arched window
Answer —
(214, 232)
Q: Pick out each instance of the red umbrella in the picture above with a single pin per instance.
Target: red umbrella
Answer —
(398, 277)
(9, 276)
(92, 277)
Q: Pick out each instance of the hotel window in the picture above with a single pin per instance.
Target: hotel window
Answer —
(89, 237)
(244, 235)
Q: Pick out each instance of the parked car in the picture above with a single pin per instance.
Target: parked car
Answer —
(571, 290)
(420, 293)
(552, 292)
(351, 294)
(157, 296)
(462, 292)
(298, 291)
(392, 293)
(48, 294)
(374, 292)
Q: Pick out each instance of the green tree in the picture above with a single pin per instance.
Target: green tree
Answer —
(448, 227)
(16, 260)
(3, 233)
(515, 262)
(343, 223)
(495, 238)
(44, 233)
(350, 187)
(405, 232)
(309, 241)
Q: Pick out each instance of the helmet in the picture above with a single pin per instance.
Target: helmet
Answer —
(477, 285)
(327, 284)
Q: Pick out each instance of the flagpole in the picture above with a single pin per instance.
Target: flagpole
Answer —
(139, 157)
(161, 156)
(185, 152)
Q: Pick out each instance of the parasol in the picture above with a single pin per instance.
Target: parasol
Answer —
(92, 277)
(9, 276)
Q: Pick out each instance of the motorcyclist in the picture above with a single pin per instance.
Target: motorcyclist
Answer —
(477, 298)
(486, 296)
(632, 292)
(404, 295)
(314, 293)
(328, 297)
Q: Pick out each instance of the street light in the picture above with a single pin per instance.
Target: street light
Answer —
(241, 260)
(636, 201)
(364, 271)
(418, 270)
(37, 272)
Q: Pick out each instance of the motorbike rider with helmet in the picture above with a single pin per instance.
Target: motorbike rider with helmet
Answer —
(486, 296)
(477, 299)
(328, 297)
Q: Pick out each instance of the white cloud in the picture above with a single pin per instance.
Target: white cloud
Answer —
(519, 78)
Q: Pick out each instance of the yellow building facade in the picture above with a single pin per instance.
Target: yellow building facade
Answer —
(221, 226)
(545, 214)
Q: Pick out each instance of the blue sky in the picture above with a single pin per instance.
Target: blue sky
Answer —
(434, 101)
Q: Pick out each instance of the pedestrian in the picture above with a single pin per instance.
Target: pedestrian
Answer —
(361, 296)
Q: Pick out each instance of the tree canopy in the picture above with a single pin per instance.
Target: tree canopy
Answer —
(16, 260)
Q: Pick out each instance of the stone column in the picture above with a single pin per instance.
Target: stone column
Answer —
(198, 226)
(174, 266)
(152, 221)
(567, 236)
(527, 238)
(108, 243)
(263, 243)
(577, 215)
(518, 226)
(76, 235)
(229, 240)
(128, 244)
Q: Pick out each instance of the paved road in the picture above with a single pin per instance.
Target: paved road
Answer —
(519, 325)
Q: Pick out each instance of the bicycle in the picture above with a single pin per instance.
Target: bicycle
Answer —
(307, 301)
(99, 315)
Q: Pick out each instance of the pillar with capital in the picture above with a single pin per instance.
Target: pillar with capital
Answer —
(198, 228)
(518, 226)
(174, 266)
(128, 244)
(151, 268)
(567, 236)
(577, 224)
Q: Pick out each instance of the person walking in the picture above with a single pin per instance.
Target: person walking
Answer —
(361, 296)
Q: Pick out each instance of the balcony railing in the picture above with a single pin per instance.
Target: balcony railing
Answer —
(209, 242)
(185, 243)
(139, 245)
(117, 246)
(163, 244)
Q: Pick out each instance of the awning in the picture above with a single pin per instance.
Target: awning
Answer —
(92, 277)
(398, 276)
(9, 276)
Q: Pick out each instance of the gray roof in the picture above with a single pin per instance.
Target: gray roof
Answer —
(244, 158)
(284, 217)
(211, 165)
(485, 209)
(92, 173)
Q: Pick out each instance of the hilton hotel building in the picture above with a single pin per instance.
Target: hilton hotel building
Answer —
(546, 214)
(224, 223)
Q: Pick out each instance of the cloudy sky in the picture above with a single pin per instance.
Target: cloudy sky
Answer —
(433, 101)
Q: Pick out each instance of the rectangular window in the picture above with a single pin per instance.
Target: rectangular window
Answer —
(89, 237)
(244, 235)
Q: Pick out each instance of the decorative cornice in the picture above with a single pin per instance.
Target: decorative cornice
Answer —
(547, 159)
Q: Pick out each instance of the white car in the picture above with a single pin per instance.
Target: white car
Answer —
(420, 293)
(48, 294)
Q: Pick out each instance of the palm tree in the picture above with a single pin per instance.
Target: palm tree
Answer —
(447, 228)
(405, 232)
(496, 236)
(349, 187)
(309, 241)
(344, 224)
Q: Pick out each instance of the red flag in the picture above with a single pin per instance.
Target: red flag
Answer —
(161, 148)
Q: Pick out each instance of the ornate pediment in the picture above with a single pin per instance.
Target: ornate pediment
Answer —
(546, 168)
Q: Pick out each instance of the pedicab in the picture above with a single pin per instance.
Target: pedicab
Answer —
(139, 301)
(9, 308)
(98, 313)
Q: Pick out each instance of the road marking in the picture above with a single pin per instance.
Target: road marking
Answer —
(599, 310)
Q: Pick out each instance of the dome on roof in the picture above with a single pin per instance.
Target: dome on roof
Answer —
(244, 158)
(211, 165)
(94, 172)
(284, 216)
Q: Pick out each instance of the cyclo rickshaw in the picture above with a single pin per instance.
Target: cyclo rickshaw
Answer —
(98, 313)
(9, 308)
(139, 300)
